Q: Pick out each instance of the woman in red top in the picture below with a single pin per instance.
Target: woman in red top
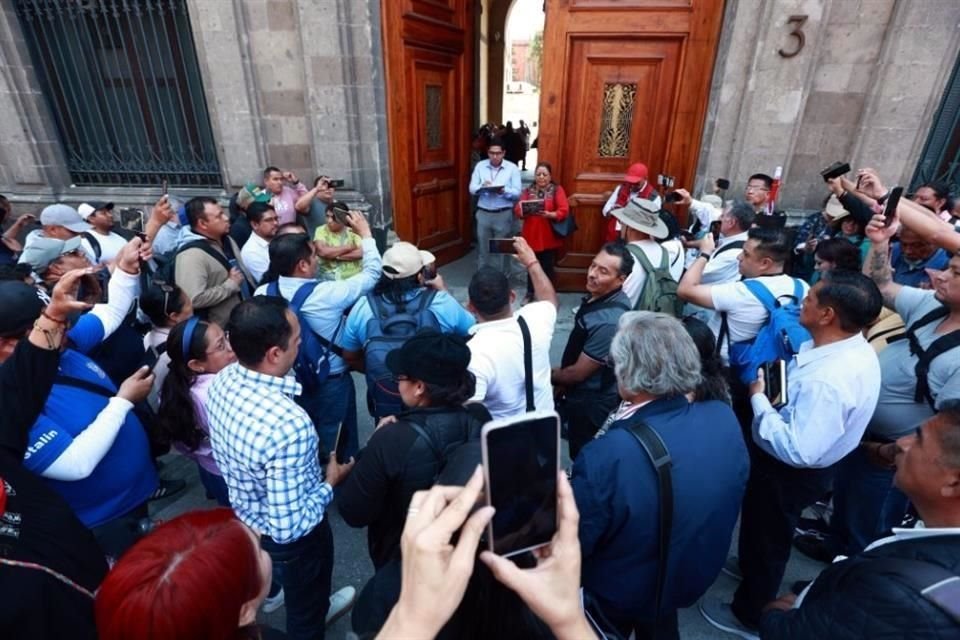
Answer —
(537, 230)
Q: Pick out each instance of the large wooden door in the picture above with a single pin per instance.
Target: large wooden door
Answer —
(428, 55)
(624, 81)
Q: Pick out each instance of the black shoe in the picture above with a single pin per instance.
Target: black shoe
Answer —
(815, 548)
(168, 488)
(812, 526)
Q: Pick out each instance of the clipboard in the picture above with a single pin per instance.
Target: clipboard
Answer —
(531, 207)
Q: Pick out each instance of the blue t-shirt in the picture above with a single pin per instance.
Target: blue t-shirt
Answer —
(914, 275)
(125, 477)
(451, 315)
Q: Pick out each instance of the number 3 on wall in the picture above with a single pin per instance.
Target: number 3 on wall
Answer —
(798, 22)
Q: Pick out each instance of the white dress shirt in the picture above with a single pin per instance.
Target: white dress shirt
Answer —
(832, 392)
(256, 256)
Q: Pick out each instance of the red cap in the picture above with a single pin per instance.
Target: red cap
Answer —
(636, 173)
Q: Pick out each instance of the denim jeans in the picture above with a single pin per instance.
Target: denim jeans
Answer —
(215, 486)
(333, 403)
(497, 224)
(304, 568)
(866, 505)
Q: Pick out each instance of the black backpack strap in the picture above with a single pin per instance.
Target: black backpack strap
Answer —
(204, 246)
(94, 244)
(527, 362)
(80, 383)
(723, 334)
(652, 444)
(926, 356)
(736, 244)
(937, 585)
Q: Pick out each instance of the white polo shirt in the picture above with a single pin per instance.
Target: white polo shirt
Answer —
(496, 360)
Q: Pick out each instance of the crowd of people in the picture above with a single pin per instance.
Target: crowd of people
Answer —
(778, 368)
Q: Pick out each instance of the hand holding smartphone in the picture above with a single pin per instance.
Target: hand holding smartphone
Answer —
(502, 245)
(521, 459)
(890, 207)
(775, 378)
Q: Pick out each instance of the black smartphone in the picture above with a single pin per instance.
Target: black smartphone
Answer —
(521, 458)
(673, 196)
(340, 448)
(336, 184)
(429, 272)
(502, 245)
(141, 235)
(775, 377)
(723, 184)
(340, 211)
(890, 207)
(835, 170)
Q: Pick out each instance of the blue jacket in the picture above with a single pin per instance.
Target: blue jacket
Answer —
(618, 498)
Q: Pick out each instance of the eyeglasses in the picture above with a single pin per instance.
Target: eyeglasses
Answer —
(73, 252)
(223, 344)
(167, 290)
(757, 187)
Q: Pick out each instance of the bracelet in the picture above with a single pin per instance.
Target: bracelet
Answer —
(52, 319)
(705, 256)
(883, 198)
(530, 264)
(49, 335)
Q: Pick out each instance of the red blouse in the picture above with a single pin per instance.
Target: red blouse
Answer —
(537, 230)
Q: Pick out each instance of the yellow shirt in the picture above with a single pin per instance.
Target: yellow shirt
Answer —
(338, 269)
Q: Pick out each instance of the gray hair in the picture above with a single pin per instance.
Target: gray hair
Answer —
(743, 214)
(653, 353)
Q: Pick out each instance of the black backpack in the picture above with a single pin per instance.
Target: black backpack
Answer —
(925, 357)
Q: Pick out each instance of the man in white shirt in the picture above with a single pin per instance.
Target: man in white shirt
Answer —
(102, 240)
(497, 346)
(640, 224)
(832, 389)
(255, 254)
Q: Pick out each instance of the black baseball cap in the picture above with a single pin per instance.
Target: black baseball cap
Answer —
(20, 306)
(430, 356)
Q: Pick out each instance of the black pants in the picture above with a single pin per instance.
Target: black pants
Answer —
(547, 260)
(776, 495)
(584, 416)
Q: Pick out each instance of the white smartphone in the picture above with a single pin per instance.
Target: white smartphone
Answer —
(521, 458)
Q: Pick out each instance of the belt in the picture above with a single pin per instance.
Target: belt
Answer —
(494, 210)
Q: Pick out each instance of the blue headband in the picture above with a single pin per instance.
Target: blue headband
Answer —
(188, 337)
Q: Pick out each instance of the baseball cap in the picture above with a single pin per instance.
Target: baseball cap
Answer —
(41, 251)
(402, 260)
(427, 258)
(21, 305)
(61, 215)
(636, 173)
(430, 356)
(87, 209)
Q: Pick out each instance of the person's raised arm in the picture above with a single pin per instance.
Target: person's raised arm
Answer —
(689, 288)
(305, 199)
(542, 287)
(877, 264)
(161, 214)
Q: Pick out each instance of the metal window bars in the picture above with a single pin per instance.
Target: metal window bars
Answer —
(122, 80)
(940, 159)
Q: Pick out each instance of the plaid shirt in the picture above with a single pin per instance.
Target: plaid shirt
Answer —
(266, 448)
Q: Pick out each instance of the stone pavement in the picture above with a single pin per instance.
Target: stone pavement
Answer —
(352, 564)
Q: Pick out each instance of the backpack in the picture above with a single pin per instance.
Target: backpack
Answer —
(925, 357)
(387, 330)
(659, 291)
(94, 244)
(166, 263)
(312, 365)
(779, 338)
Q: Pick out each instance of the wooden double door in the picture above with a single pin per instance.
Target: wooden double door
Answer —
(623, 81)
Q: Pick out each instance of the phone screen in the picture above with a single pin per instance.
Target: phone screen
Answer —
(775, 374)
(341, 446)
(502, 245)
(891, 206)
(521, 460)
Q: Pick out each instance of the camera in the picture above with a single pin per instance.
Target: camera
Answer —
(335, 184)
(673, 196)
(835, 170)
(339, 211)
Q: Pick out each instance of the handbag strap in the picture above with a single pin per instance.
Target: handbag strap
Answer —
(527, 362)
(652, 444)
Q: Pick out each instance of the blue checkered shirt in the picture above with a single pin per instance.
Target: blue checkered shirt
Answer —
(266, 448)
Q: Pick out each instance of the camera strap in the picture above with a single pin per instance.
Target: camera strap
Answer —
(527, 362)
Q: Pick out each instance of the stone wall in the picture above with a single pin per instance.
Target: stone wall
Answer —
(864, 89)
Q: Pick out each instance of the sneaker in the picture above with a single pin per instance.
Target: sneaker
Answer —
(168, 488)
(274, 602)
(340, 604)
(720, 615)
(812, 527)
(732, 568)
(815, 548)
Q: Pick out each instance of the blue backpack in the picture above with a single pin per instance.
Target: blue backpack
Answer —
(312, 365)
(779, 338)
(391, 326)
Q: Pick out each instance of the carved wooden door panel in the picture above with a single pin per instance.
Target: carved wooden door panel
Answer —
(428, 55)
(624, 81)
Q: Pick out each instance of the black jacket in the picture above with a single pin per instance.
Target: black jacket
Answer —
(858, 598)
(398, 462)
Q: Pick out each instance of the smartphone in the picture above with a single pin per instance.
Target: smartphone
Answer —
(673, 196)
(835, 170)
(429, 272)
(890, 208)
(502, 245)
(141, 235)
(340, 448)
(723, 184)
(775, 377)
(521, 458)
(336, 184)
(165, 187)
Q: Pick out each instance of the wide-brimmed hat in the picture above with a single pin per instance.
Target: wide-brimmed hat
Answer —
(834, 209)
(643, 215)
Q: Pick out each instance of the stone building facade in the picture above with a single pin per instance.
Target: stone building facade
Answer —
(300, 84)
